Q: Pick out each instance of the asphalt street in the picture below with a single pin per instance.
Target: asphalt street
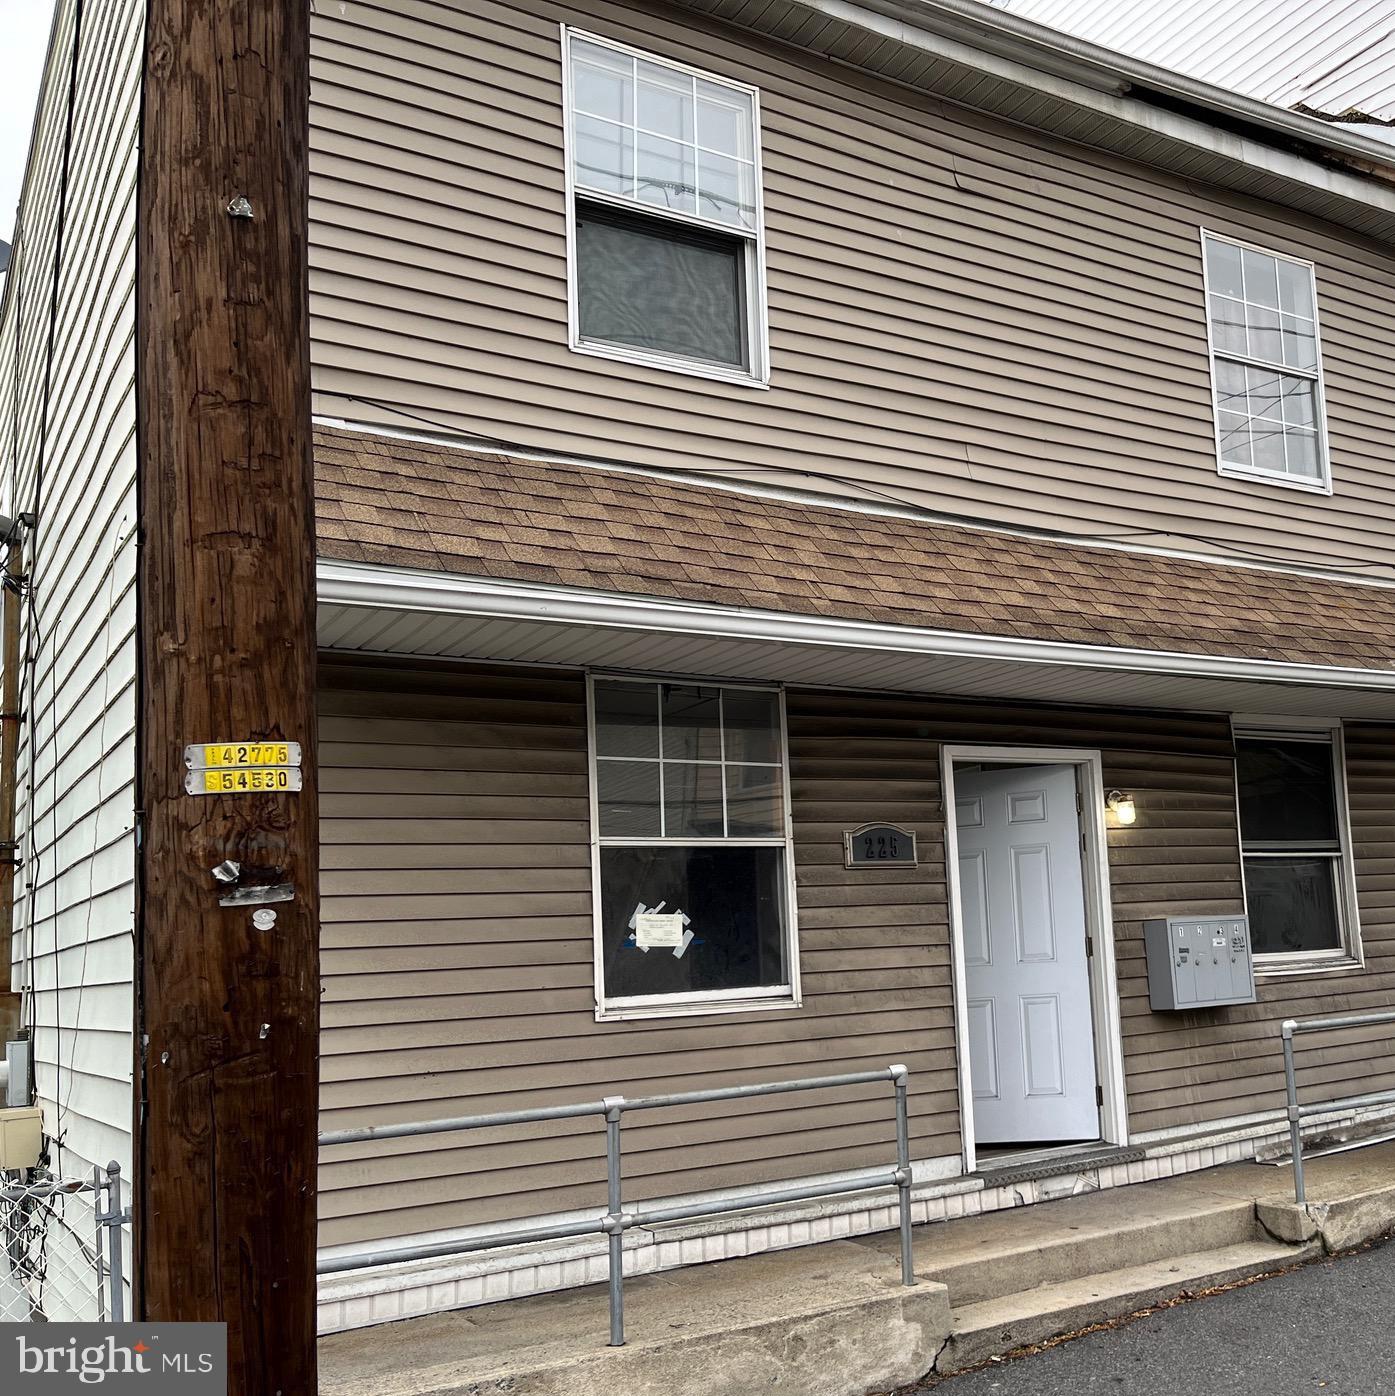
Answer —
(1328, 1328)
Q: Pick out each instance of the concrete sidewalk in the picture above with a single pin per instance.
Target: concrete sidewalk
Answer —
(832, 1319)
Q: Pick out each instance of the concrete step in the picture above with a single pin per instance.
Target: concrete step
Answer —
(992, 1254)
(1006, 1265)
(992, 1327)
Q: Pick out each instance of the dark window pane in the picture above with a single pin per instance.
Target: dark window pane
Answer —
(627, 793)
(627, 719)
(734, 899)
(1286, 792)
(692, 723)
(752, 725)
(755, 802)
(692, 801)
(1292, 904)
(655, 285)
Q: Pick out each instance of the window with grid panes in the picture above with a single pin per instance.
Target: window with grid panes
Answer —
(666, 211)
(1266, 370)
(691, 821)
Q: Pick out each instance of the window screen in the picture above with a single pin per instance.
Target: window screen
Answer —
(657, 287)
(690, 818)
(1290, 834)
(1265, 368)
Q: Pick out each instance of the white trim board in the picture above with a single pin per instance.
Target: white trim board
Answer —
(1218, 135)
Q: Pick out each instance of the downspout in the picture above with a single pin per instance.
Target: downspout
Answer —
(13, 585)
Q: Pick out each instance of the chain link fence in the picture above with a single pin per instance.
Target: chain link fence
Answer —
(61, 1248)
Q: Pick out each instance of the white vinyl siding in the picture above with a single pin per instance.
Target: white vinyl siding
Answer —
(76, 801)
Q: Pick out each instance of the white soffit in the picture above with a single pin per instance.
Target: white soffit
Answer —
(384, 611)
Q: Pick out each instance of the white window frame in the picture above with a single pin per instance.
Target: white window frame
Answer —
(1228, 469)
(756, 374)
(760, 998)
(1349, 955)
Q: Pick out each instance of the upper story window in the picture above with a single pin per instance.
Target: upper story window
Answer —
(694, 901)
(1295, 847)
(1266, 367)
(664, 213)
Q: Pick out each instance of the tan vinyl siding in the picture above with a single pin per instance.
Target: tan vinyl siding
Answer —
(457, 961)
(1183, 857)
(964, 313)
(458, 953)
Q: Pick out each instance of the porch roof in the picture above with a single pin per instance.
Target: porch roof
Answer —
(413, 504)
(434, 551)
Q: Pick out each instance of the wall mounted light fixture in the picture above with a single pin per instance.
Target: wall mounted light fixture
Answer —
(1121, 805)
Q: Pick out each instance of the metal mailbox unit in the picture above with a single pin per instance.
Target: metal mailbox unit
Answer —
(1199, 962)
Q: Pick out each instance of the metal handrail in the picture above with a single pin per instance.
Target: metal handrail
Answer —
(1290, 1028)
(616, 1220)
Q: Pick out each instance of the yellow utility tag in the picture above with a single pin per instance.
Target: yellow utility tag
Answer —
(249, 754)
(241, 768)
(249, 779)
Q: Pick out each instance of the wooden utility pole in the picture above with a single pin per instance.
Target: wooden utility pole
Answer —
(224, 1188)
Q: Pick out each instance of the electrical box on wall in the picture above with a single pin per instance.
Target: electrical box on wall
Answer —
(1199, 962)
(21, 1137)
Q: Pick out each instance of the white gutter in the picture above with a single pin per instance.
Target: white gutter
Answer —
(442, 593)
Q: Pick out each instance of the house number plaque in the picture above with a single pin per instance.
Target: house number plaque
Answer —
(879, 846)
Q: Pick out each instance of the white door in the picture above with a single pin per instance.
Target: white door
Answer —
(1022, 892)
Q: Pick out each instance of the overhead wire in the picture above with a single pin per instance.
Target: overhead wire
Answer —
(901, 502)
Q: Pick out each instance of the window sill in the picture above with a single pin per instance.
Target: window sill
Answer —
(1295, 968)
(738, 378)
(1270, 477)
(622, 1012)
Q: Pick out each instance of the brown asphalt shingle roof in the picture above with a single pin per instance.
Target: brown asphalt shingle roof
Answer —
(412, 504)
